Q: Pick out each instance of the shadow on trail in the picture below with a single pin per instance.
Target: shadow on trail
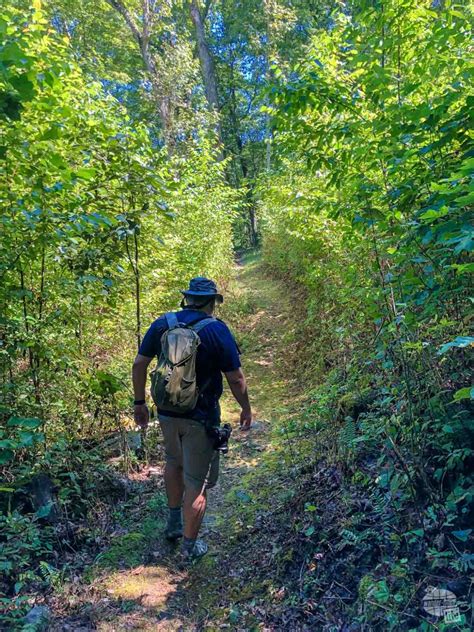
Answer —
(159, 593)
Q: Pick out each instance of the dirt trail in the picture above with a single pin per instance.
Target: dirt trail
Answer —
(156, 596)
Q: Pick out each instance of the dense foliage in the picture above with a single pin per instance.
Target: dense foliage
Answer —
(97, 223)
(140, 144)
(370, 210)
(99, 231)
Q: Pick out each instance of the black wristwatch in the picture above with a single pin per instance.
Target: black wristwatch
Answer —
(139, 402)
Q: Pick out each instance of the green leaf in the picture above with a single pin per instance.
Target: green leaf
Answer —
(434, 214)
(460, 342)
(463, 268)
(18, 586)
(12, 52)
(418, 532)
(57, 160)
(465, 243)
(44, 511)
(26, 438)
(25, 422)
(466, 200)
(23, 86)
(464, 393)
(5, 456)
(86, 173)
(462, 535)
(52, 133)
(234, 616)
(7, 443)
(309, 531)
(380, 592)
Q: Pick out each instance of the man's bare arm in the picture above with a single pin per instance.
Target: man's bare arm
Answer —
(238, 386)
(139, 373)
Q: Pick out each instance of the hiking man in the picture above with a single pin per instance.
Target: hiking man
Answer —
(194, 349)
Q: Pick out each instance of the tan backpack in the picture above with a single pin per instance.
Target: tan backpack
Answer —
(173, 382)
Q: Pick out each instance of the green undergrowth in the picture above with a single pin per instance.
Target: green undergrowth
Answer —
(342, 522)
(367, 211)
(327, 530)
(98, 519)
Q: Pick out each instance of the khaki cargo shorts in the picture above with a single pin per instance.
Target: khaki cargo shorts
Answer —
(188, 445)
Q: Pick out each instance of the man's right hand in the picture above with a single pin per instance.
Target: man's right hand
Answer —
(238, 386)
(245, 419)
(142, 415)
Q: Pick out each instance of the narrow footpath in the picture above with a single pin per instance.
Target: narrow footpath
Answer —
(157, 595)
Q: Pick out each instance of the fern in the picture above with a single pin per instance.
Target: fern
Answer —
(379, 501)
(347, 435)
(50, 574)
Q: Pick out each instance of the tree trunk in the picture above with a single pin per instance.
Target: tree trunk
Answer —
(207, 63)
(137, 290)
(31, 355)
(234, 118)
(253, 226)
(268, 10)
(142, 38)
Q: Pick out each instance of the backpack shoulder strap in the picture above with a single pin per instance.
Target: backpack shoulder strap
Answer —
(197, 327)
(171, 320)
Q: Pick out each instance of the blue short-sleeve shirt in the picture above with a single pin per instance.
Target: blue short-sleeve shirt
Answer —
(218, 353)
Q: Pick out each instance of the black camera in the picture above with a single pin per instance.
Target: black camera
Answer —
(220, 436)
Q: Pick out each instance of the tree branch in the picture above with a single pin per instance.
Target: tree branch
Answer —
(206, 9)
(142, 37)
(119, 6)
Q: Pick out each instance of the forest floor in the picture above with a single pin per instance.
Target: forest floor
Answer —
(136, 582)
(300, 536)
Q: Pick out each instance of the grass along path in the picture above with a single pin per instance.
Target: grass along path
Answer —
(152, 593)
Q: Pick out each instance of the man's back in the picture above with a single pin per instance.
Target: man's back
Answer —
(217, 354)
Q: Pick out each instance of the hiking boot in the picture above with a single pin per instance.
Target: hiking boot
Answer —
(173, 532)
(174, 525)
(199, 549)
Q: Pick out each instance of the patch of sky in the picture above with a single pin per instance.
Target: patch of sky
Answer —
(293, 76)
(123, 92)
(252, 67)
(65, 27)
(254, 135)
(217, 25)
(302, 28)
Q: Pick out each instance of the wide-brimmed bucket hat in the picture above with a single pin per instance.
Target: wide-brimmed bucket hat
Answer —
(200, 286)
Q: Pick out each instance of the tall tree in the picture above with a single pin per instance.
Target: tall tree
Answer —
(141, 30)
(205, 58)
